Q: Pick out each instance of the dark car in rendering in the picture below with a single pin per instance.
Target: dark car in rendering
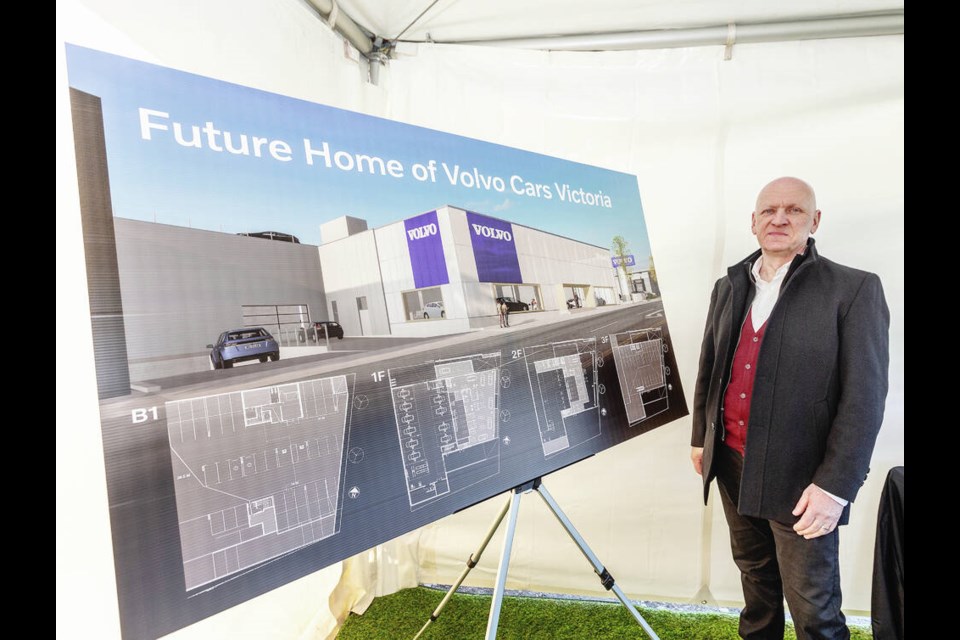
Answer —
(513, 305)
(317, 331)
(241, 345)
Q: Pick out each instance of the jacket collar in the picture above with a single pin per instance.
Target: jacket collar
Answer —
(742, 269)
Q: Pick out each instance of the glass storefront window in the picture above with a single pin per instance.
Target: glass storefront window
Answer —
(424, 304)
(520, 297)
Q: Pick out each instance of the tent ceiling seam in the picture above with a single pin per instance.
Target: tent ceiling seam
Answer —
(874, 24)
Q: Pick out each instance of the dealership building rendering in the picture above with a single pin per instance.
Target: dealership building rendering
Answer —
(435, 273)
(451, 265)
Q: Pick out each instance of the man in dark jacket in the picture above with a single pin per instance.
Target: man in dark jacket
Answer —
(788, 403)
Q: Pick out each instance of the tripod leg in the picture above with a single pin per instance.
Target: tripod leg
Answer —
(471, 563)
(494, 619)
(605, 578)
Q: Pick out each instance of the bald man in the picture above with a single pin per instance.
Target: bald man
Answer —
(788, 403)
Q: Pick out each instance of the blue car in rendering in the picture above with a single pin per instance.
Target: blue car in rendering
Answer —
(240, 345)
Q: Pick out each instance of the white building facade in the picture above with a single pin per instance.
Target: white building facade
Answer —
(442, 271)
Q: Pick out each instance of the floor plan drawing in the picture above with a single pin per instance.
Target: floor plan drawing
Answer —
(564, 388)
(447, 414)
(257, 473)
(642, 373)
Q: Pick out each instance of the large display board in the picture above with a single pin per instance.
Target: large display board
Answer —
(302, 351)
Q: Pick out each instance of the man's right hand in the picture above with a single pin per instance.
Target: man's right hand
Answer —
(696, 456)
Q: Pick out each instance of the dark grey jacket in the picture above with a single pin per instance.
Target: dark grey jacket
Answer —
(820, 386)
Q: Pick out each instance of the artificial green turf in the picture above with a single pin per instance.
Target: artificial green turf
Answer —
(401, 615)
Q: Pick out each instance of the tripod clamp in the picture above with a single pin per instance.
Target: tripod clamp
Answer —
(606, 579)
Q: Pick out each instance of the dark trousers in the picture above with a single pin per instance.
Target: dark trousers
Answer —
(775, 562)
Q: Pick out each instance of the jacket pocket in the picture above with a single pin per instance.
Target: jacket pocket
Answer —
(821, 425)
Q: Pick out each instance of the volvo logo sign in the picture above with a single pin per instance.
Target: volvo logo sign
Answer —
(490, 232)
(494, 249)
(425, 231)
(425, 247)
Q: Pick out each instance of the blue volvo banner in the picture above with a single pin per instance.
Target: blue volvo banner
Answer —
(426, 250)
(494, 249)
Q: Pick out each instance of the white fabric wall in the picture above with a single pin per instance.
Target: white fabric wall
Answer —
(702, 134)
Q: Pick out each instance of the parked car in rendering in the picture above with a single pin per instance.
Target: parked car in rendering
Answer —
(513, 305)
(317, 331)
(434, 310)
(240, 345)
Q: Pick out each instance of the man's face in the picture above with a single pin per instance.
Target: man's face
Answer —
(786, 215)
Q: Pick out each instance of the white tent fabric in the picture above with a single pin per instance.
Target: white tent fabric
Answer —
(701, 133)
(459, 21)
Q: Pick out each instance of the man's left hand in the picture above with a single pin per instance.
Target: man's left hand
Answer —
(819, 513)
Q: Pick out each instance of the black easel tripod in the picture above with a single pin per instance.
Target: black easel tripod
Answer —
(513, 506)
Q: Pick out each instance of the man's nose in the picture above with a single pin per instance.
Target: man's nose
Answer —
(780, 217)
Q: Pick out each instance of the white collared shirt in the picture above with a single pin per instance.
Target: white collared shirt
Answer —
(763, 303)
(766, 293)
